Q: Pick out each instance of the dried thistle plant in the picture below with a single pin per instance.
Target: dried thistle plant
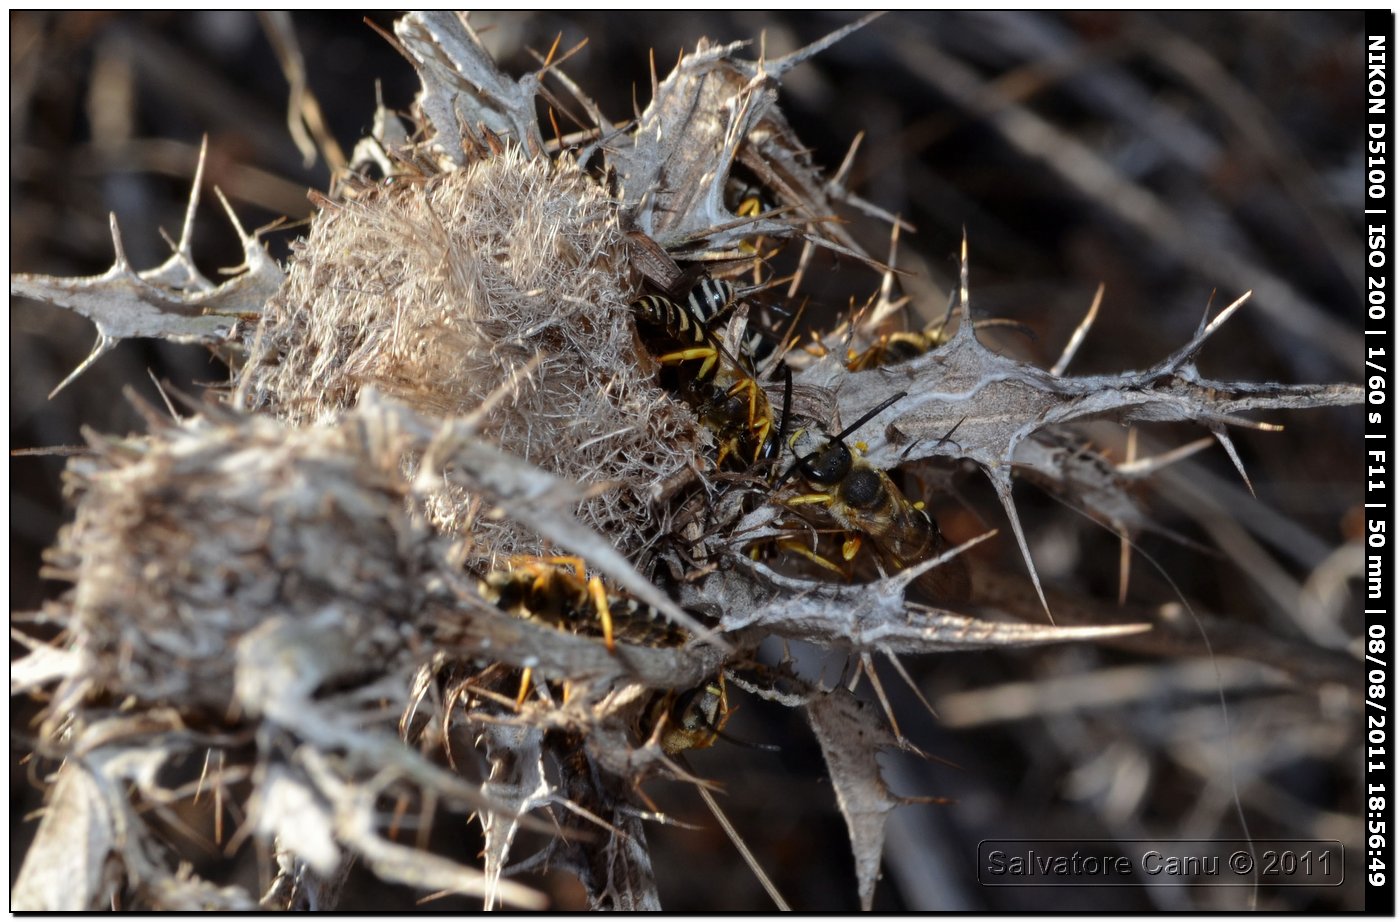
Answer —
(446, 377)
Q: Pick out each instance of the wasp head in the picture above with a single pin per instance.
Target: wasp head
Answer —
(821, 460)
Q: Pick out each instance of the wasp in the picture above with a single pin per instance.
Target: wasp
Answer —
(865, 502)
(709, 302)
(745, 199)
(555, 591)
(893, 348)
(723, 392)
(693, 322)
(691, 719)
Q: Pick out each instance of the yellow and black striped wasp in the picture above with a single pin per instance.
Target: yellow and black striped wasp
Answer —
(710, 302)
(556, 591)
(864, 502)
(746, 198)
(903, 345)
(724, 393)
(691, 719)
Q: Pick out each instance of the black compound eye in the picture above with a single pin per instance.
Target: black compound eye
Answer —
(697, 709)
(685, 711)
(863, 489)
(827, 466)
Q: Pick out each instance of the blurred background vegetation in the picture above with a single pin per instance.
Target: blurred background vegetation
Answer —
(1168, 156)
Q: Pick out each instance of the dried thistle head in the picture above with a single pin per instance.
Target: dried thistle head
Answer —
(455, 378)
(499, 290)
(185, 542)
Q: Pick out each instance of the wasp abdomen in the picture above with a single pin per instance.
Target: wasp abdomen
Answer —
(678, 323)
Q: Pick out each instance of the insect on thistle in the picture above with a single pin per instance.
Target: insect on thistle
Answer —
(555, 591)
(866, 503)
(903, 345)
(722, 391)
(691, 719)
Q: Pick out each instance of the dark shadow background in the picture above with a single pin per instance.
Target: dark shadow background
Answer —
(1237, 135)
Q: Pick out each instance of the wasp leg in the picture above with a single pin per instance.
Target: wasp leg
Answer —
(807, 498)
(764, 427)
(759, 424)
(725, 711)
(600, 601)
(797, 547)
(524, 688)
(570, 561)
(709, 353)
(850, 547)
(750, 207)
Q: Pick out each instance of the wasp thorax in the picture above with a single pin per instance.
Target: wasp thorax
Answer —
(863, 489)
(734, 406)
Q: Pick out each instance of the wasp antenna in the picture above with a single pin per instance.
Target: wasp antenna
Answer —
(871, 414)
(748, 744)
(949, 436)
(787, 405)
(787, 475)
